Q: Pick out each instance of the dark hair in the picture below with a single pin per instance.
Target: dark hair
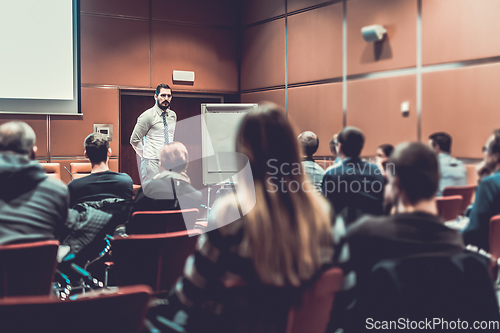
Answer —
(17, 137)
(417, 167)
(309, 142)
(494, 146)
(97, 146)
(160, 86)
(387, 149)
(352, 140)
(441, 139)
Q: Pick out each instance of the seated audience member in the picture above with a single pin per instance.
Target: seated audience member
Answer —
(453, 171)
(280, 244)
(355, 185)
(333, 148)
(414, 230)
(33, 207)
(309, 143)
(102, 183)
(158, 194)
(383, 153)
(487, 202)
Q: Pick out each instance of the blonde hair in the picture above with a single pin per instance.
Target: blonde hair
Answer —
(286, 231)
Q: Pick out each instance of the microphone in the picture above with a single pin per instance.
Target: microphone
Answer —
(69, 173)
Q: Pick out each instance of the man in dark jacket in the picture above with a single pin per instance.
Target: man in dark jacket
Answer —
(102, 183)
(33, 207)
(355, 187)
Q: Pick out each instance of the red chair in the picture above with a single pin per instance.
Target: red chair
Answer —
(52, 169)
(122, 311)
(155, 260)
(158, 222)
(27, 269)
(467, 192)
(313, 315)
(449, 207)
(494, 236)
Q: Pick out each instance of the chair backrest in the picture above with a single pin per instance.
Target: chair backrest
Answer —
(157, 222)
(313, 314)
(467, 192)
(155, 260)
(453, 286)
(494, 236)
(52, 169)
(122, 311)
(449, 207)
(27, 269)
(79, 170)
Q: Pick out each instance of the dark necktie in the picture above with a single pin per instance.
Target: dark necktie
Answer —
(165, 127)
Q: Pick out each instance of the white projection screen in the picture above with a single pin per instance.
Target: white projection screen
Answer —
(39, 57)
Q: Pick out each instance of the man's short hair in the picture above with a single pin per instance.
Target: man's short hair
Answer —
(387, 148)
(174, 156)
(96, 146)
(160, 87)
(309, 142)
(352, 141)
(442, 140)
(17, 137)
(416, 165)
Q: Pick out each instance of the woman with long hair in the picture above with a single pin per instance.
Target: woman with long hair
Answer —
(275, 232)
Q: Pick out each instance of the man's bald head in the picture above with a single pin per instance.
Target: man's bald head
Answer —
(174, 156)
(17, 137)
(309, 142)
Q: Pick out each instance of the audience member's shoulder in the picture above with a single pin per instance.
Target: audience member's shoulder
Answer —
(125, 177)
(225, 214)
(492, 180)
(366, 224)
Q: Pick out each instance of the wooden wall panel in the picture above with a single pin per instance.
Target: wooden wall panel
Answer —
(257, 10)
(293, 5)
(211, 53)
(214, 12)
(263, 55)
(454, 30)
(317, 108)
(398, 50)
(315, 44)
(463, 102)
(39, 125)
(99, 106)
(375, 107)
(114, 51)
(276, 96)
(134, 8)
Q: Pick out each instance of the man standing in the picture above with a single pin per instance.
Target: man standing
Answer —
(102, 183)
(33, 207)
(453, 171)
(355, 187)
(154, 128)
(309, 143)
(487, 202)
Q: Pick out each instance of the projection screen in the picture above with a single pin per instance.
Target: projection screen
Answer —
(39, 57)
